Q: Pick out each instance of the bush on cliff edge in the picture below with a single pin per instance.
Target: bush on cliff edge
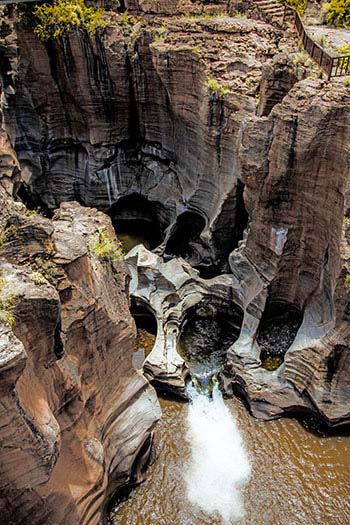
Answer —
(299, 5)
(52, 20)
(338, 13)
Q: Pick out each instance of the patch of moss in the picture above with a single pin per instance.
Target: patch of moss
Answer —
(347, 281)
(7, 303)
(215, 88)
(271, 363)
(105, 248)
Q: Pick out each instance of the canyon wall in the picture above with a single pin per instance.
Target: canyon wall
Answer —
(262, 169)
(296, 166)
(130, 112)
(76, 418)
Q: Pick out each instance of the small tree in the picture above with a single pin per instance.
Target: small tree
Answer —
(338, 13)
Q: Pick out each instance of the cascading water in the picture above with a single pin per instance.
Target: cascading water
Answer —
(219, 465)
(200, 478)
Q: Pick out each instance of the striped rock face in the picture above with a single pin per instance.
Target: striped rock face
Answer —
(202, 132)
(76, 417)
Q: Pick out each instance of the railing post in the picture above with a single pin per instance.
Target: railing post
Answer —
(330, 69)
(313, 49)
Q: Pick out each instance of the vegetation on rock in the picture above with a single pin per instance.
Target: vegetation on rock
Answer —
(105, 248)
(344, 49)
(299, 5)
(338, 13)
(347, 281)
(44, 270)
(7, 303)
(271, 363)
(215, 88)
(302, 58)
(38, 278)
(9, 234)
(53, 20)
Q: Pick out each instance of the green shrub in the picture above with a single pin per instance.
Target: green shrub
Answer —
(347, 281)
(338, 12)
(299, 5)
(7, 303)
(37, 278)
(344, 50)
(105, 248)
(53, 20)
(215, 88)
(271, 363)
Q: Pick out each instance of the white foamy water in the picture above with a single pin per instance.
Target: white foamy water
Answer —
(219, 465)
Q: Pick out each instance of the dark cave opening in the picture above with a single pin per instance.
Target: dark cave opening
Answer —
(32, 200)
(143, 316)
(208, 330)
(184, 240)
(58, 347)
(146, 325)
(137, 220)
(278, 328)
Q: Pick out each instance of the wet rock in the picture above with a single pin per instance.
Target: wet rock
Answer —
(123, 123)
(171, 289)
(270, 179)
(287, 177)
(74, 413)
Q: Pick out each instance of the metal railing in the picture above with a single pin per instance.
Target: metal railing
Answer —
(334, 66)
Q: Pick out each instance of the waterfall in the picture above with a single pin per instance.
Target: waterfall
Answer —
(219, 465)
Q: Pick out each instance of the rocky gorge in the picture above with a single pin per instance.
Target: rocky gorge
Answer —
(194, 125)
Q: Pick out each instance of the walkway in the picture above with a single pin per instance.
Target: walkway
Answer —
(334, 65)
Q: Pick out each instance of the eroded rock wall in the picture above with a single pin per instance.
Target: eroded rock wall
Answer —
(129, 112)
(76, 418)
(263, 163)
(297, 191)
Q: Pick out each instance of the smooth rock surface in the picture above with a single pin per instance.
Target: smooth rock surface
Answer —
(76, 418)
